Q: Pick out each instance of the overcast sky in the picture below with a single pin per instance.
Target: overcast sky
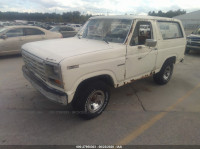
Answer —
(98, 6)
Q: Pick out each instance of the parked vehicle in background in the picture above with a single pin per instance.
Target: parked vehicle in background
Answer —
(66, 31)
(5, 23)
(193, 41)
(81, 69)
(77, 27)
(144, 29)
(39, 24)
(32, 23)
(13, 37)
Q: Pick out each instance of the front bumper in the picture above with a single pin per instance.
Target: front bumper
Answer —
(193, 47)
(51, 93)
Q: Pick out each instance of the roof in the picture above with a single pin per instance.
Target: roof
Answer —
(132, 17)
(192, 15)
(21, 26)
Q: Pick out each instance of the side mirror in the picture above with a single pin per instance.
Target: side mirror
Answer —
(150, 43)
(3, 36)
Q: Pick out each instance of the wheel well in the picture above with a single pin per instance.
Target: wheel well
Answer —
(171, 59)
(105, 78)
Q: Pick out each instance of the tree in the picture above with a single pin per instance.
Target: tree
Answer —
(67, 17)
(169, 14)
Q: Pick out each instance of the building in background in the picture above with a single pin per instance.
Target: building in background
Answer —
(190, 21)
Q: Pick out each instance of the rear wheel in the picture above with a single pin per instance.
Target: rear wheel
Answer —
(165, 73)
(91, 99)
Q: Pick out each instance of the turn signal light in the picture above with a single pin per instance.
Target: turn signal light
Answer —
(57, 82)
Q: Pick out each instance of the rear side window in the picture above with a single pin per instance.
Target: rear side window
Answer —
(170, 30)
(66, 29)
(33, 31)
(15, 32)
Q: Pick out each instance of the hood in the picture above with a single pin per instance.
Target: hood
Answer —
(58, 49)
(193, 36)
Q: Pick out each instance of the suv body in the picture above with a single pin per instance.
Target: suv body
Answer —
(108, 51)
(193, 41)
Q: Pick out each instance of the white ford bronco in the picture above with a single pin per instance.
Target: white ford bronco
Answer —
(107, 51)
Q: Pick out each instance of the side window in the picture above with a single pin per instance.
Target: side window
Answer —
(33, 31)
(69, 29)
(170, 30)
(66, 29)
(197, 31)
(15, 32)
(143, 31)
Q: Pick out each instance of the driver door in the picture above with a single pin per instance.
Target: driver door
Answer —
(13, 41)
(33, 34)
(141, 60)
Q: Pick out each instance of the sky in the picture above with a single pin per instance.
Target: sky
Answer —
(110, 7)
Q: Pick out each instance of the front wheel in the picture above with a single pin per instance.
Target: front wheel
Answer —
(91, 99)
(187, 51)
(165, 73)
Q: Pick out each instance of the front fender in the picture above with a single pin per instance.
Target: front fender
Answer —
(71, 90)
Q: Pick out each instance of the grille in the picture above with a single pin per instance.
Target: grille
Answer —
(195, 39)
(34, 64)
(194, 43)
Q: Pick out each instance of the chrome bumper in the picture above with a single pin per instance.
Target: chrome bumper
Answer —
(193, 47)
(50, 93)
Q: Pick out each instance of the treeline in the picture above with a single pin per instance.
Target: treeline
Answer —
(68, 17)
(169, 14)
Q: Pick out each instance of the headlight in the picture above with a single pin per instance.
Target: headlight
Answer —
(53, 74)
(52, 71)
(188, 40)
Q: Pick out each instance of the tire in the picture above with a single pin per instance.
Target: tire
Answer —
(165, 73)
(187, 51)
(86, 101)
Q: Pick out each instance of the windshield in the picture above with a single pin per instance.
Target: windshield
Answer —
(55, 29)
(110, 30)
(2, 30)
(197, 32)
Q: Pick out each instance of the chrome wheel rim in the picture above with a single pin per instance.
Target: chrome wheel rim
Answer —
(167, 73)
(95, 101)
